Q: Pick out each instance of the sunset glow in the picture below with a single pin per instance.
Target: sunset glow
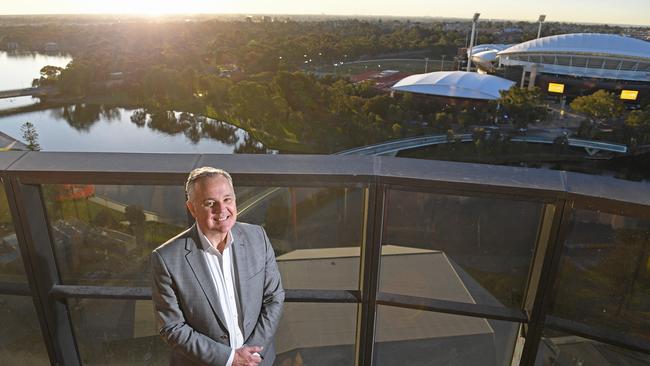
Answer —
(591, 11)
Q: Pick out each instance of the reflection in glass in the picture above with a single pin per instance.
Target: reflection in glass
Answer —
(466, 249)
(21, 341)
(604, 275)
(11, 264)
(315, 231)
(117, 332)
(415, 337)
(316, 334)
(562, 349)
(104, 235)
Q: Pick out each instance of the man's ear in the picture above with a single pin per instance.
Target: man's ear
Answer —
(190, 207)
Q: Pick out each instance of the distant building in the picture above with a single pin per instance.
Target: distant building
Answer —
(12, 46)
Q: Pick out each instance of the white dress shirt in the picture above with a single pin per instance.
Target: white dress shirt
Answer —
(223, 276)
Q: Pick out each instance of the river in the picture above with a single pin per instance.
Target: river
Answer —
(105, 129)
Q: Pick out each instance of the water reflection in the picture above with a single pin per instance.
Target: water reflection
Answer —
(82, 116)
(93, 127)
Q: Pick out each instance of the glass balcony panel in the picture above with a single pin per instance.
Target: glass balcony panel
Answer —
(21, 341)
(562, 349)
(465, 249)
(604, 274)
(316, 334)
(117, 332)
(104, 234)
(313, 230)
(415, 337)
(12, 269)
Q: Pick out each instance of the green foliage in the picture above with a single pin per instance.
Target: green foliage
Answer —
(30, 135)
(599, 107)
(639, 122)
(522, 106)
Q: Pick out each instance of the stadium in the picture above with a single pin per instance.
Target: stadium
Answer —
(567, 65)
(581, 63)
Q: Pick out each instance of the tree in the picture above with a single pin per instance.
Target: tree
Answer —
(639, 122)
(30, 136)
(522, 106)
(599, 107)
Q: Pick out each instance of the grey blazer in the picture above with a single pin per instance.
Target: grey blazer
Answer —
(186, 306)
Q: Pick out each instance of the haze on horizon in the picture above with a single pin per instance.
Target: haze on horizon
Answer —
(632, 12)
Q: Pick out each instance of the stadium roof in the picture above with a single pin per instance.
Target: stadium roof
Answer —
(489, 47)
(604, 56)
(455, 84)
(585, 43)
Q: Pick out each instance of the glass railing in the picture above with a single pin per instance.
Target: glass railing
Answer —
(381, 258)
(21, 340)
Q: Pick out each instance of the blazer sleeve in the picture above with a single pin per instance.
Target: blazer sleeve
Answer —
(174, 330)
(272, 301)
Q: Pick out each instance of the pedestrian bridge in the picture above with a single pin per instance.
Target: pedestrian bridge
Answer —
(391, 148)
(35, 91)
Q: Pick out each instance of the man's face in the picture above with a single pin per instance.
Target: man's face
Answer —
(213, 205)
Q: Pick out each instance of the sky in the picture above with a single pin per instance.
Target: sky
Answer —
(582, 11)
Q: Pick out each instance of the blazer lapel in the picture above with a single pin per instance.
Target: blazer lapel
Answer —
(199, 267)
(239, 250)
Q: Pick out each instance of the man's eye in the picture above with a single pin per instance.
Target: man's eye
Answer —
(208, 204)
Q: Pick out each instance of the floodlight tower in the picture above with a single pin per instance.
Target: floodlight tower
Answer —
(541, 20)
(471, 40)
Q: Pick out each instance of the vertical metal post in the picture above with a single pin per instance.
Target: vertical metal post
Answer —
(541, 281)
(541, 20)
(471, 42)
(369, 280)
(28, 213)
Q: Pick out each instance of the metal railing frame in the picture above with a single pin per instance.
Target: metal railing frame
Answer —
(24, 173)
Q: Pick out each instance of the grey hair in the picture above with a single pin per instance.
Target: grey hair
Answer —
(204, 172)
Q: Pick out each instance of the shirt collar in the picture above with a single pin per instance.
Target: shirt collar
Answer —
(206, 244)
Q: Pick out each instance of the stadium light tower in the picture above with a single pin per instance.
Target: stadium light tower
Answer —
(471, 40)
(541, 20)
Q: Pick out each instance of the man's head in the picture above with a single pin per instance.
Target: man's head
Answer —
(211, 200)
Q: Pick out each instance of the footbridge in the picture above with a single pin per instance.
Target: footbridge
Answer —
(391, 148)
(35, 91)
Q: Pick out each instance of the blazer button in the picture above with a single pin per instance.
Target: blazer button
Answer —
(224, 337)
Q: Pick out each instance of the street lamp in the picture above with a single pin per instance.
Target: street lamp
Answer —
(471, 40)
(541, 20)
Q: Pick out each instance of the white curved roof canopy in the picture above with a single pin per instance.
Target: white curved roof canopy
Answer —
(489, 47)
(585, 43)
(594, 55)
(455, 84)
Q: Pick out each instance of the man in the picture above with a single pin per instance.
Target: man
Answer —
(217, 291)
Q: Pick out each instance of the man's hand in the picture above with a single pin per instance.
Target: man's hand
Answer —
(247, 356)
